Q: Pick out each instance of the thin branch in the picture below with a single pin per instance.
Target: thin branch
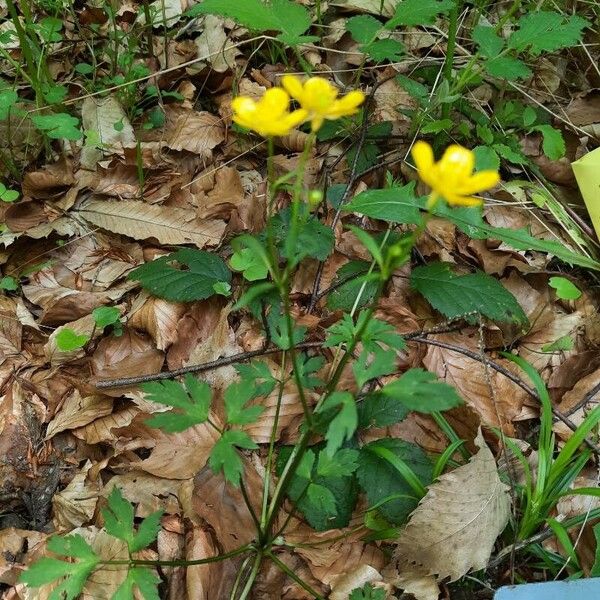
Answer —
(207, 366)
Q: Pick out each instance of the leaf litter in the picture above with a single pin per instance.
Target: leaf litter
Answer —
(93, 212)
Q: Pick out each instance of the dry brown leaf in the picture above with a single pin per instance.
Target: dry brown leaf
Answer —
(222, 506)
(141, 221)
(77, 411)
(210, 581)
(469, 377)
(131, 353)
(215, 47)
(173, 455)
(105, 429)
(157, 317)
(197, 132)
(356, 578)
(455, 526)
(572, 404)
(15, 544)
(100, 115)
(50, 181)
(75, 504)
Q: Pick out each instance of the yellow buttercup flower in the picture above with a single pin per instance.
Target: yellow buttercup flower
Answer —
(320, 99)
(270, 115)
(452, 177)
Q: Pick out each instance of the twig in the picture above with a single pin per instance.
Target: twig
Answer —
(207, 366)
(500, 369)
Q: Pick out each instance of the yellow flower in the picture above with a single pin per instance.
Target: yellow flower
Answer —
(452, 177)
(320, 99)
(270, 115)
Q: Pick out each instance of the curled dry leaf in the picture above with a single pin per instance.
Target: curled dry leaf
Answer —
(77, 411)
(159, 318)
(454, 528)
(105, 429)
(214, 47)
(75, 504)
(49, 181)
(141, 221)
(111, 128)
(574, 404)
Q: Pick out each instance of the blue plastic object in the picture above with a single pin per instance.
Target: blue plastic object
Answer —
(579, 589)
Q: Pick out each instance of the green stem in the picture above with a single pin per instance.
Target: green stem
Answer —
(295, 577)
(252, 576)
(181, 563)
(450, 49)
(272, 440)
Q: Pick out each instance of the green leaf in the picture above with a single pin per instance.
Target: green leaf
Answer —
(47, 570)
(288, 17)
(565, 289)
(363, 28)
(456, 295)
(486, 159)
(379, 410)
(398, 205)
(55, 94)
(386, 49)
(306, 367)
(236, 396)
(367, 592)
(418, 12)
(371, 363)
(505, 67)
(145, 579)
(341, 486)
(8, 98)
(68, 340)
(415, 89)
(192, 403)
(469, 221)
(421, 391)
(383, 484)
(164, 279)
(147, 531)
(257, 375)
(510, 154)
(545, 31)
(562, 344)
(224, 454)
(10, 284)
(437, 126)
(58, 126)
(347, 285)
(369, 242)
(106, 315)
(278, 330)
(322, 499)
(251, 264)
(489, 42)
(343, 425)
(118, 518)
(343, 463)
(553, 143)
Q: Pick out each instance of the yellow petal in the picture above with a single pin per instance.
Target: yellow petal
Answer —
(458, 200)
(319, 94)
(316, 123)
(243, 105)
(276, 101)
(296, 117)
(422, 154)
(293, 86)
(346, 106)
(457, 162)
(479, 182)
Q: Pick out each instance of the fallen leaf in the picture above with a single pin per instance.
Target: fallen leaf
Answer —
(573, 405)
(159, 318)
(455, 526)
(75, 505)
(196, 132)
(77, 411)
(139, 220)
(214, 47)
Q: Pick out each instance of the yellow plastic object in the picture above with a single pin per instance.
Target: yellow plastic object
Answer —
(587, 173)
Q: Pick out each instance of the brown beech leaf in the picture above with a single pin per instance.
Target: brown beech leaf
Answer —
(75, 505)
(454, 528)
(222, 506)
(469, 377)
(573, 405)
(212, 580)
(141, 221)
(159, 318)
(77, 411)
(105, 428)
(197, 132)
(131, 353)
